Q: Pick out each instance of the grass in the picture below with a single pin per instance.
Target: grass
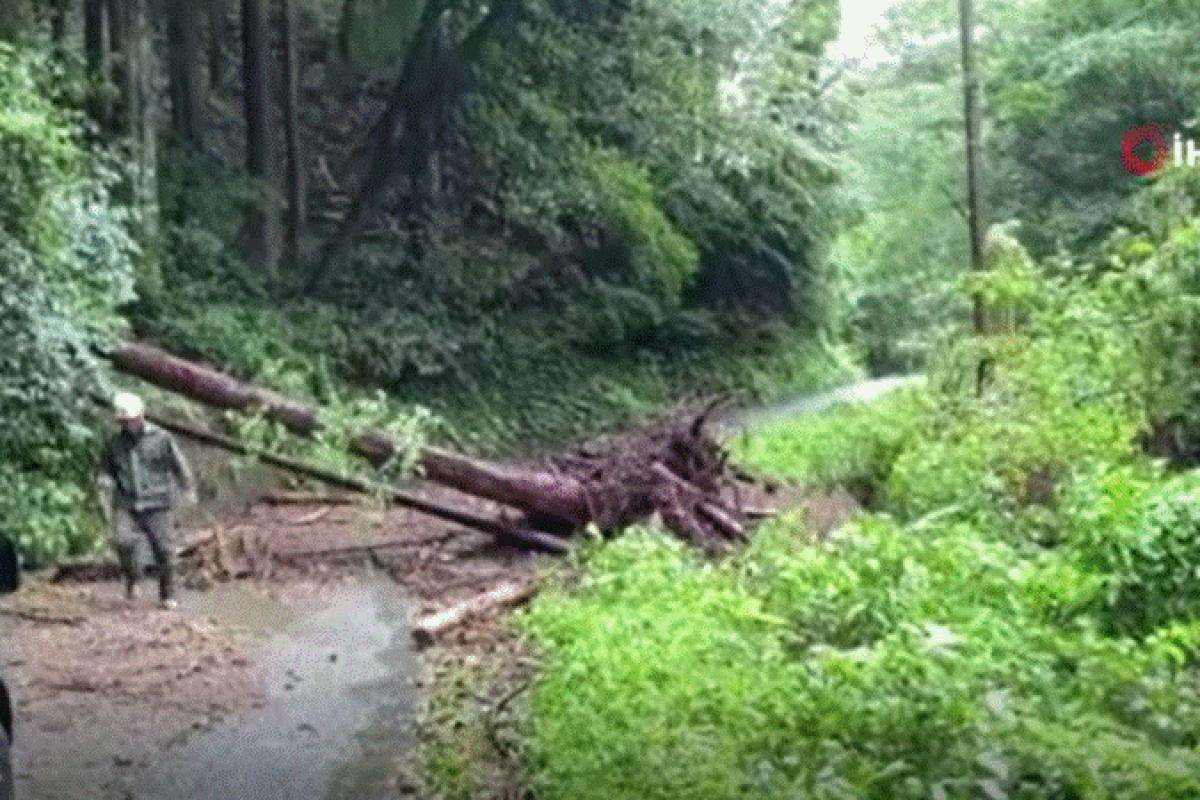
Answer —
(852, 445)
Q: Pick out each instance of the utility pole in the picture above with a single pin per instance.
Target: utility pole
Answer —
(974, 163)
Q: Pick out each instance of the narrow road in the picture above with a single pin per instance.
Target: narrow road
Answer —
(334, 710)
(116, 705)
(861, 392)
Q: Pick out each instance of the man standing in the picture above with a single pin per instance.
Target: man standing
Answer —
(144, 472)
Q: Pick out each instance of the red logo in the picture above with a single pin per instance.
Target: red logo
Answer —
(1140, 142)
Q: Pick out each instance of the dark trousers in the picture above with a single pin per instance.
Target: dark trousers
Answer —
(157, 528)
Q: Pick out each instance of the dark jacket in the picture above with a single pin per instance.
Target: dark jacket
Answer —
(146, 468)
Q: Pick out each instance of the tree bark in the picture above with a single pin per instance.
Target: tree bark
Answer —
(262, 224)
(187, 93)
(95, 46)
(297, 207)
(559, 497)
(423, 85)
(145, 122)
(130, 43)
(59, 10)
(345, 30)
(216, 39)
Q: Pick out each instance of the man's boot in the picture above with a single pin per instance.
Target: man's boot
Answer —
(166, 587)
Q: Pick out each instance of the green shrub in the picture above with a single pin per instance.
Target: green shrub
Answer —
(641, 698)
(1055, 400)
(1139, 540)
(661, 259)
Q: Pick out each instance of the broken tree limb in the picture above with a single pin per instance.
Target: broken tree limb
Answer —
(426, 630)
(557, 496)
(347, 550)
(308, 499)
(499, 528)
(719, 517)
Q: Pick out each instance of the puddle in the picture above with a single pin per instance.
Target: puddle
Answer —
(339, 710)
(243, 606)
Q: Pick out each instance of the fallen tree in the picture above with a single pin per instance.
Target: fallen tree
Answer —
(674, 469)
(496, 526)
(554, 496)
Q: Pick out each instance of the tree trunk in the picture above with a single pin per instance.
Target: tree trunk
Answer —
(130, 41)
(424, 85)
(117, 17)
(297, 207)
(144, 123)
(59, 11)
(262, 224)
(345, 30)
(95, 45)
(187, 94)
(216, 40)
(558, 497)
(498, 527)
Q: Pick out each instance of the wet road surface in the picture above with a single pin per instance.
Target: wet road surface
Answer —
(340, 703)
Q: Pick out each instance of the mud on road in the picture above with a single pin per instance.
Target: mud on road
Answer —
(298, 680)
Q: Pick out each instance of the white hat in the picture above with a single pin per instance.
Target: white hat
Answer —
(128, 406)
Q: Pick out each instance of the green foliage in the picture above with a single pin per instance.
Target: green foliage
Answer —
(1138, 536)
(661, 259)
(642, 159)
(1052, 152)
(889, 662)
(897, 289)
(1024, 623)
(342, 418)
(65, 267)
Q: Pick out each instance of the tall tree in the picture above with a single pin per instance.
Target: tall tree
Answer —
(95, 45)
(433, 80)
(974, 162)
(59, 12)
(262, 224)
(216, 37)
(131, 46)
(183, 56)
(297, 207)
(345, 28)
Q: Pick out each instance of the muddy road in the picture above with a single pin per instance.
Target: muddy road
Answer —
(239, 694)
(300, 684)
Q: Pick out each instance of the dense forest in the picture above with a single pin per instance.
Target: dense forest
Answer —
(508, 226)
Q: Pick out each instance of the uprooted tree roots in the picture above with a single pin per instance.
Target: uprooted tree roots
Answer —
(674, 470)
